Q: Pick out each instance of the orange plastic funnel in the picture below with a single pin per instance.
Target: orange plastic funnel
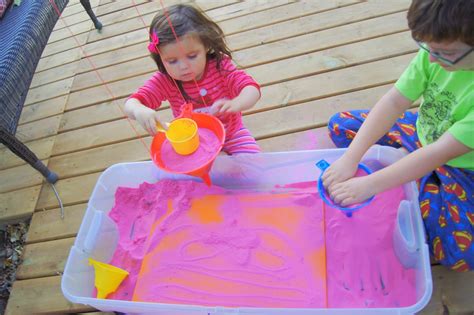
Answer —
(203, 121)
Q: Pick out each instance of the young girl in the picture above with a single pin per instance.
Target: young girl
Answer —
(196, 68)
(440, 138)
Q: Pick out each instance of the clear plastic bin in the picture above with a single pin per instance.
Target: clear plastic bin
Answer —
(98, 235)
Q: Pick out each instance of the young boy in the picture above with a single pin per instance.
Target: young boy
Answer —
(439, 138)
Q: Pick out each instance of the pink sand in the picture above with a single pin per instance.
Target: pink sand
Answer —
(363, 271)
(208, 147)
(186, 243)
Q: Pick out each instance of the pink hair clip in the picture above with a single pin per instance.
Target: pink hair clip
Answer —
(154, 41)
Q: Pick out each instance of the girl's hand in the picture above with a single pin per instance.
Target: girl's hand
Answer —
(147, 118)
(225, 106)
(352, 191)
(339, 171)
(245, 100)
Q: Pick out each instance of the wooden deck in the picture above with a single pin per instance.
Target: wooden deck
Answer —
(312, 58)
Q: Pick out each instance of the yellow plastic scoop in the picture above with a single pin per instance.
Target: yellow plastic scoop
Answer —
(107, 278)
(160, 128)
(183, 135)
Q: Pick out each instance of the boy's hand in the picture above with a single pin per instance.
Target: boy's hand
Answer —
(352, 191)
(339, 171)
(147, 118)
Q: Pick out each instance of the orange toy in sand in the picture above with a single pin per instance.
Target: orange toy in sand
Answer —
(190, 151)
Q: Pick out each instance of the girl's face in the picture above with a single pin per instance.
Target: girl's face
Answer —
(452, 51)
(185, 60)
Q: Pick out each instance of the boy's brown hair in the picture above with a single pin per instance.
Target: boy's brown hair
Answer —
(442, 20)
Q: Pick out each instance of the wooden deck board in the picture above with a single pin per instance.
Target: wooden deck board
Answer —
(312, 58)
(73, 191)
(39, 129)
(279, 14)
(126, 20)
(299, 47)
(44, 259)
(51, 90)
(61, 32)
(18, 204)
(42, 148)
(277, 94)
(51, 75)
(44, 109)
(313, 41)
(12, 181)
(134, 52)
(313, 23)
(47, 225)
(274, 96)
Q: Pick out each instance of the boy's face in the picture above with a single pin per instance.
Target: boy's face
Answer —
(185, 60)
(452, 51)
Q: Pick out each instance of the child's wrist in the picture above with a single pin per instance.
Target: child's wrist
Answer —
(352, 157)
(379, 182)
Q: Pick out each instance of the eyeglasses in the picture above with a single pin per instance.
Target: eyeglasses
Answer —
(438, 56)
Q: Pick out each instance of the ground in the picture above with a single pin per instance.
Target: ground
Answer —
(12, 239)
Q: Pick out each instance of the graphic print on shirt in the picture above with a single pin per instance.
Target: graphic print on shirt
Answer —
(436, 112)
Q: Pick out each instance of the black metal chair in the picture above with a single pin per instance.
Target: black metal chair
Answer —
(24, 33)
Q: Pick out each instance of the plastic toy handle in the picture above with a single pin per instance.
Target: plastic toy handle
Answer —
(160, 128)
(187, 110)
(405, 224)
(322, 165)
(404, 236)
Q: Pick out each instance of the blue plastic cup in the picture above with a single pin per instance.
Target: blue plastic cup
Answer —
(323, 165)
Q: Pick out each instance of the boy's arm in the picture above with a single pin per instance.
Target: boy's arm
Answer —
(380, 119)
(413, 166)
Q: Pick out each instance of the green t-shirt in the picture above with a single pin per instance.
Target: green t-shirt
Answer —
(448, 103)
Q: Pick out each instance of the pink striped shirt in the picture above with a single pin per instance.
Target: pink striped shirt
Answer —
(227, 82)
